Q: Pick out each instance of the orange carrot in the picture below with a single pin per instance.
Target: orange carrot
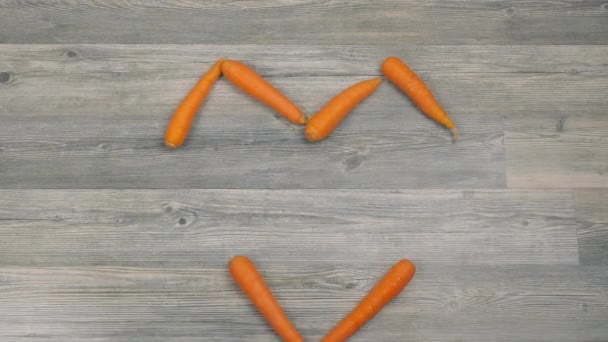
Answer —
(253, 84)
(251, 282)
(400, 74)
(181, 122)
(330, 116)
(389, 287)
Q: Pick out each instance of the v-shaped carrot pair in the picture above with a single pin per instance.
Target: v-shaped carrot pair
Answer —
(251, 282)
(243, 77)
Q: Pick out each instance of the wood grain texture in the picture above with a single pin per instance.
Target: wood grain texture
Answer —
(569, 151)
(592, 215)
(470, 303)
(182, 228)
(139, 79)
(259, 151)
(591, 205)
(100, 111)
(105, 235)
(593, 243)
(305, 21)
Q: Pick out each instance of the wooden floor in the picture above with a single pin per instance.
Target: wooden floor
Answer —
(105, 235)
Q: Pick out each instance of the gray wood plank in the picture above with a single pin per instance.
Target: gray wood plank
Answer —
(592, 214)
(226, 152)
(468, 303)
(180, 228)
(592, 205)
(569, 151)
(99, 114)
(307, 21)
(276, 60)
(593, 243)
(119, 79)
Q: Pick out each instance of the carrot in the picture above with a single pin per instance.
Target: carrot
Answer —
(181, 122)
(330, 116)
(389, 287)
(400, 74)
(251, 282)
(253, 84)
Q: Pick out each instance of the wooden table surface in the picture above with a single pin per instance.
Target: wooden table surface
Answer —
(106, 235)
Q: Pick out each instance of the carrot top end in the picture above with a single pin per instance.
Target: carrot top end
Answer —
(171, 145)
(238, 258)
(312, 134)
(454, 133)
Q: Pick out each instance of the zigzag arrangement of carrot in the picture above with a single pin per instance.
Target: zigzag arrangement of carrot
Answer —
(245, 274)
(320, 125)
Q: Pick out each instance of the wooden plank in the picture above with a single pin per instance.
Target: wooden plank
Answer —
(569, 151)
(148, 79)
(591, 212)
(592, 205)
(225, 152)
(472, 22)
(177, 228)
(276, 60)
(107, 124)
(469, 303)
(593, 243)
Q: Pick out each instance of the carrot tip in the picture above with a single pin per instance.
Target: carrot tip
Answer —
(454, 132)
(302, 120)
(312, 134)
(237, 258)
(171, 145)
